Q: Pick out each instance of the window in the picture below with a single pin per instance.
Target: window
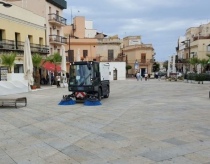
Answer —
(17, 39)
(18, 68)
(57, 15)
(110, 55)
(85, 53)
(30, 37)
(71, 56)
(143, 58)
(50, 10)
(1, 35)
(41, 41)
(208, 48)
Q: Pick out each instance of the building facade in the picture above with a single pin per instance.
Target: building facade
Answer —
(51, 11)
(85, 43)
(195, 43)
(138, 55)
(16, 24)
(108, 49)
(81, 44)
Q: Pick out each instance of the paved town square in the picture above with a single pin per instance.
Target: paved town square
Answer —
(142, 122)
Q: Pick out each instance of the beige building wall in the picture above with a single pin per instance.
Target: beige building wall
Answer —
(36, 6)
(131, 40)
(199, 48)
(24, 22)
(79, 26)
(108, 44)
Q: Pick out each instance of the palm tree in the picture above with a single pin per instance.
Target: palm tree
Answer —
(37, 59)
(8, 60)
(165, 65)
(194, 62)
(203, 63)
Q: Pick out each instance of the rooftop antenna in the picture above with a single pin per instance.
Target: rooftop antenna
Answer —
(71, 17)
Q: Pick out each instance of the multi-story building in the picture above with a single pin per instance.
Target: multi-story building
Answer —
(81, 43)
(86, 43)
(51, 11)
(195, 43)
(17, 23)
(140, 56)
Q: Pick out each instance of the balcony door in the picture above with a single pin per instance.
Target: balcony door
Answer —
(17, 39)
(1, 35)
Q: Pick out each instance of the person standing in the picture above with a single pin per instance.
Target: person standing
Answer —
(146, 76)
(137, 76)
(63, 80)
(58, 79)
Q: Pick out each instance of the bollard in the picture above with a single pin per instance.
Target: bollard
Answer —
(209, 94)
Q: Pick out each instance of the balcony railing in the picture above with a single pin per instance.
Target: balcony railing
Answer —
(37, 48)
(58, 19)
(11, 45)
(58, 39)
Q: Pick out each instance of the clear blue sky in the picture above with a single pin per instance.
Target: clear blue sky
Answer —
(159, 22)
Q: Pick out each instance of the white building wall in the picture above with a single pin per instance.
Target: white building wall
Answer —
(89, 24)
(89, 31)
(121, 70)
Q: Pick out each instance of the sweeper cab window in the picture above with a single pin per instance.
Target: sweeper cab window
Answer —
(81, 74)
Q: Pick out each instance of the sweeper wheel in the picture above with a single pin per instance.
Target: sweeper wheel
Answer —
(99, 95)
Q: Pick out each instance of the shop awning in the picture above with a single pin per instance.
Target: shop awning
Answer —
(51, 67)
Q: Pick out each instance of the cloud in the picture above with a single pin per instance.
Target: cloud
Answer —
(159, 22)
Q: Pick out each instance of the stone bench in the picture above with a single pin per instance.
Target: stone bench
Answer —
(13, 101)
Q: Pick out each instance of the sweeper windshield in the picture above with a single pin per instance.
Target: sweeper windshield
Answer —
(81, 74)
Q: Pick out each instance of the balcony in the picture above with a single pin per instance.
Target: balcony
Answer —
(57, 40)
(58, 3)
(41, 49)
(11, 45)
(57, 20)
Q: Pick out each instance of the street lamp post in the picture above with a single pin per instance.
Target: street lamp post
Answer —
(5, 4)
(69, 51)
(70, 55)
(188, 40)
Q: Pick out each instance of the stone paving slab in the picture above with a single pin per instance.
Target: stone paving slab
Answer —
(145, 122)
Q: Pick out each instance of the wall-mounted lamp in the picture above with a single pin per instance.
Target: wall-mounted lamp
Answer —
(6, 4)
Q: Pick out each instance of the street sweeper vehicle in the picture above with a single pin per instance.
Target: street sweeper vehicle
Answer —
(89, 80)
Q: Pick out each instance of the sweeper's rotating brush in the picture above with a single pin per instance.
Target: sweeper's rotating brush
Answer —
(67, 100)
(92, 101)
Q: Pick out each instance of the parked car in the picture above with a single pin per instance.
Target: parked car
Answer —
(162, 73)
(179, 74)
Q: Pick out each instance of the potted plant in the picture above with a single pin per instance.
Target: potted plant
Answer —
(37, 60)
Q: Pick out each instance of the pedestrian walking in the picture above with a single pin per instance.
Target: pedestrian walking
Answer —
(138, 76)
(146, 76)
